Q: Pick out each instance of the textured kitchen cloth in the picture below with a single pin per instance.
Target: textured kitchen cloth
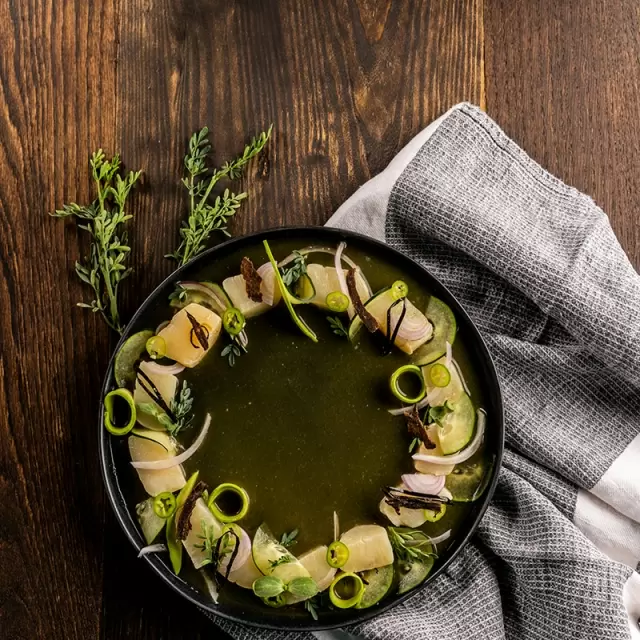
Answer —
(538, 268)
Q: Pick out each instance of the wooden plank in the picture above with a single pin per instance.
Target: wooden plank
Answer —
(57, 100)
(346, 85)
(562, 79)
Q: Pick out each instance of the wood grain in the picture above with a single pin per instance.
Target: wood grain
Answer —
(562, 79)
(346, 83)
(57, 100)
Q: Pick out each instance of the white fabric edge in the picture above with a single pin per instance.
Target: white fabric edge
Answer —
(367, 207)
(631, 600)
(614, 534)
(620, 485)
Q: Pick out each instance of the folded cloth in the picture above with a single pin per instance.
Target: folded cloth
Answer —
(538, 268)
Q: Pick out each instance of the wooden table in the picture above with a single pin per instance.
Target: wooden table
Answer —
(346, 83)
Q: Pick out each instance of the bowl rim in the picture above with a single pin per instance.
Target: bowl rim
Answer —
(127, 521)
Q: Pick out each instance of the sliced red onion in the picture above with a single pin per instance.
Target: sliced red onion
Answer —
(268, 287)
(339, 271)
(244, 551)
(413, 326)
(463, 455)
(164, 369)
(424, 483)
(441, 538)
(174, 461)
(161, 326)
(462, 380)
(212, 588)
(336, 526)
(449, 356)
(152, 548)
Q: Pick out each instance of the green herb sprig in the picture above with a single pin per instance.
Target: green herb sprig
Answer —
(293, 273)
(180, 407)
(311, 606)
(232, 352)
(415, 443)
(436, 414)
(337, 327)
(205, 215)
(281, 560)
(289, 539)
(410, 545)
(105, 268)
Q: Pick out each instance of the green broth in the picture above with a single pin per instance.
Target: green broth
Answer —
(304, 428)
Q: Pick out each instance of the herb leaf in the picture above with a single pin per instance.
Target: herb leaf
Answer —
(410, 545)
(289, 539)
(436, 414)
(337, 327)
(311, 606)
(293, 273)
(232, 351)
(281, 560)
(181, 408)
(205, 215)
(415, 443)
(105, 268)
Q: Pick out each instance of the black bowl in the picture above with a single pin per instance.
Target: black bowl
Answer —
(115, 468)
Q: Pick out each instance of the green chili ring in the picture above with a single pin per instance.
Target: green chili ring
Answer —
(439, 375)
(337, 302)
(395, 387)
(126, 395)
(347, 603)
(233, 321)
(233, 488)
(156, 347)
(337, 554)
(164, 505)
(399, 290)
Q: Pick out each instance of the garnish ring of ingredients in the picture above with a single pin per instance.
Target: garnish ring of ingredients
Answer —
(210, 516)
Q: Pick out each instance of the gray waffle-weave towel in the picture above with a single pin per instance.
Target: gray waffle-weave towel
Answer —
(541, 273)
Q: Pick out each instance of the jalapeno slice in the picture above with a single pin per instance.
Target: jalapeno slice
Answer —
(233, 321)
(337, 301)
(350, 582)
(337, 554)
(399, 290)
(394, 383)
(109, 410)
(156, 347)
(164, 505)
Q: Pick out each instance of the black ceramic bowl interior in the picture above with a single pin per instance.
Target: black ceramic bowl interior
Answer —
(117, 471)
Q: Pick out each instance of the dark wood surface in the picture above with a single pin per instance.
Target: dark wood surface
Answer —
(346, 83)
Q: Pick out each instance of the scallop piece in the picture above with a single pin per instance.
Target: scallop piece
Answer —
(182, 343)
(369, 548)
(325, 281)
(406, 518)
(156, 481)
(166, 385)
(430, 467)
(202, 522)
(315, 562)
(236, 288)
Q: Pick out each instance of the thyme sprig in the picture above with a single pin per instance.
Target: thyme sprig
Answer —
(298, 268)
(207, 215)
(410, 545)
(232, 352)
(311, 606)
(105, 267)
(181, 407)
(337, 327)
(289, 539)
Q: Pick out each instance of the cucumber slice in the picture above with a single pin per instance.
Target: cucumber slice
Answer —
(150, 523)
(197, 298)
(412, 575)
(129, 354)
(377, 584)
(468, 481)
(356, 323)
(273, 559)
(444, 330)
(304, 290)
(456, 428)
(223, 299)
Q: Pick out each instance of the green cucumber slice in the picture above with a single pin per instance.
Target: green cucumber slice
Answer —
(468, 481)
(150, 523)
(129, 354)
(377, 584)
(197, 298)
(456, 428)
(273, 559)
(412, 575)
(444, 330)
(304, 291)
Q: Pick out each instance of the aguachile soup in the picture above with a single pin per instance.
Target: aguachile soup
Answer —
(303, 428)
